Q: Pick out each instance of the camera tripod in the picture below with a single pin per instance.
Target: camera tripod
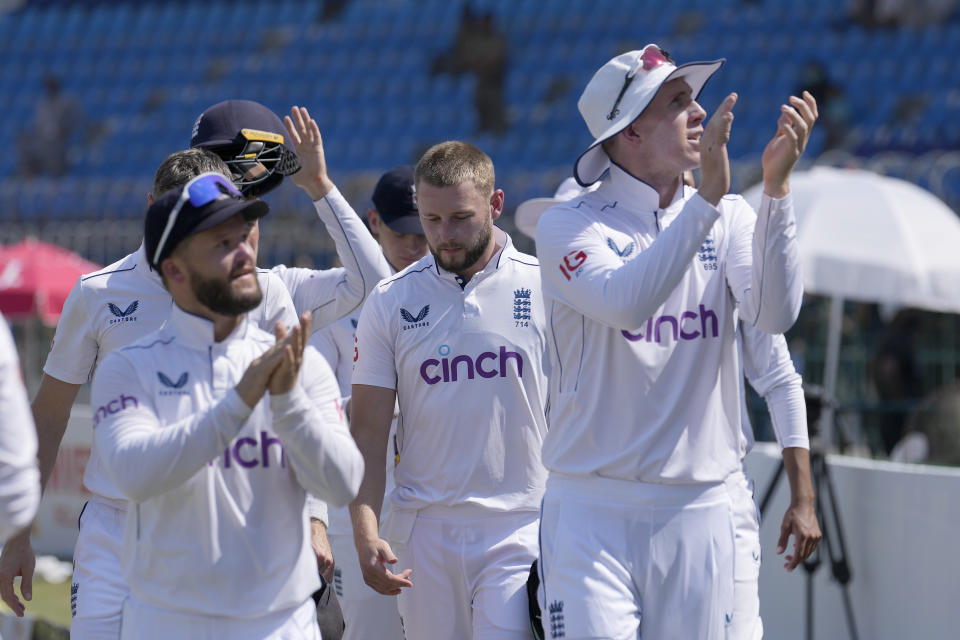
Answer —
(831, 526)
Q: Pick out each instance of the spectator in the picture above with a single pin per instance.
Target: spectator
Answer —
(482, 50)
(831, 100)
(43, 147)
(896, 374)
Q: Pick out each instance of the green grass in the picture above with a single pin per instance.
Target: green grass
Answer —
(51, 602)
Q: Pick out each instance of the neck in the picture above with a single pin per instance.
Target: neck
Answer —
(664, 181)
(492, 247)
(223, 325)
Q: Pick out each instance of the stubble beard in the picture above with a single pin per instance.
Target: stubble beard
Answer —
(218, 296)
(472, 254)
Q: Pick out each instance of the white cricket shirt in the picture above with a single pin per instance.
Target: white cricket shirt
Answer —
(333, 293)
(646, 373)
(770, 371)
(469, 368)
(216, 524)
(117, 306)
(19, 475)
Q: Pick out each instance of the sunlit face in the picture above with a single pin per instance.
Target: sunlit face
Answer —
(400, 249)
(220, 267)
(458, 223)
(670, 127)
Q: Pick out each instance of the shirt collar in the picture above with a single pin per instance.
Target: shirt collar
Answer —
(144, 267)
(633, 193)
(506, 251)
(197, 332)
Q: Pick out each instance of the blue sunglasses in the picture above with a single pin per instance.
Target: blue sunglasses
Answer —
(201, 191)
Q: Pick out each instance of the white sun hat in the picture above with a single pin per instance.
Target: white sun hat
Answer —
(619, 92)
(529, 211)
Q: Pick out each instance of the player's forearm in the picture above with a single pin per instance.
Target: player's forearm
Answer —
(51, 413)
(19, 497)
(146, 461)
(318, 446)
(624, 295)
(370, 426)
(773, 300)
(363, 262)
(788, 414)
(796, 462)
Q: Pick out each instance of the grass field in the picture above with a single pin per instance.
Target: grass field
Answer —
(51, 602)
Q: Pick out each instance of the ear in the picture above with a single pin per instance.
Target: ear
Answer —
(149, 199)
(173, 270)
(373, 219)
(630, 135)
(496, 203)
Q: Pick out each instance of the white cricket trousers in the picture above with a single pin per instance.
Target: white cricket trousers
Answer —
(98, 589)
(747, 624)
(625, 560)
(470, 567)
(142, 621)
(368, 614)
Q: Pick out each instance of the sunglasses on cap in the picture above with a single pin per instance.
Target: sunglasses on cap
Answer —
(201, 191)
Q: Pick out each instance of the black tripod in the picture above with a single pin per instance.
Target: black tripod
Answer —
(829, 521)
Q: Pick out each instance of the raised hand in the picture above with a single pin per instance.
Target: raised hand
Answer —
(308, 144)
(288, 372)
(255, 379)
(782, 152)
(714, 163)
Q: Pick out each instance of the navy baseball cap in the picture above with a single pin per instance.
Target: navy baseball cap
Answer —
(251, 139)
(393, 200)
(201, 204)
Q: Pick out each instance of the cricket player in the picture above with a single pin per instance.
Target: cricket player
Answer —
(644, 282)
(216, 542)
(395, 223)
(768, 367)
(19, 476)
(125, 301)
(458, 338)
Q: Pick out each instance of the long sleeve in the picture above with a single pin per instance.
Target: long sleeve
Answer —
(19, 476)
(333, 293)
(770, 371)
(309, 420)
(580, 271)
(763, 263)
(143, 457)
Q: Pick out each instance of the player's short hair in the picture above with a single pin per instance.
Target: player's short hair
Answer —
(454, 162)
(181, 167)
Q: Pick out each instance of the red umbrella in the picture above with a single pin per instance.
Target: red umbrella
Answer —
(35, 278)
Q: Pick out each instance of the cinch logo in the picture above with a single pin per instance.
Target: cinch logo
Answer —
(680, 328)
(248, 452)
(623, 253)
(123, 315)
(415, 320)
(175, 388)
(451, 370)
(114, 406)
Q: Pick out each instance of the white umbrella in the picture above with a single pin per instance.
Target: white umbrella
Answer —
(871, 238)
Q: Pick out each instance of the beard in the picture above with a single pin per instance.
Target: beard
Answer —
(218, 296)
(471, 254)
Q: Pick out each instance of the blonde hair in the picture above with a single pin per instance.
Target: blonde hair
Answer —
(455, 162)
